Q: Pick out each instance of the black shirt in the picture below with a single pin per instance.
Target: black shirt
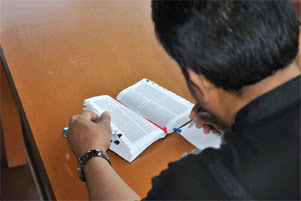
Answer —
(260, 160)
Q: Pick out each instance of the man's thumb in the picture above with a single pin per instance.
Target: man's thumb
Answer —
(105, 118)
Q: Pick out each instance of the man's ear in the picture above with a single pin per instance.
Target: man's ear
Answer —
(201, 85)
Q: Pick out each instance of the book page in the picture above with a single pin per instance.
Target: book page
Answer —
(198, 138)
(135, 129)
(157, 104)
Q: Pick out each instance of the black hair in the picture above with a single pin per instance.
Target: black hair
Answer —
(232, 43)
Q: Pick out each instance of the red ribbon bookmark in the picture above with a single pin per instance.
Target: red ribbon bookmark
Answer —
(163, 128)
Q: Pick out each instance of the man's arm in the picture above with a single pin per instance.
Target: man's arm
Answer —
(105, 184)
(87, 131)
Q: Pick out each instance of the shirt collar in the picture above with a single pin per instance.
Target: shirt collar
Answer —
(275, 101)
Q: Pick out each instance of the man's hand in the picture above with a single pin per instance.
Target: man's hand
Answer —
(87, 131)
(204, 120)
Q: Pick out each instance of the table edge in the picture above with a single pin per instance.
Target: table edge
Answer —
(33, 154)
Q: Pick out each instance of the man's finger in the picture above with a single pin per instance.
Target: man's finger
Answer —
(200, 120)
(105, 119)
(214, 130)
(199, 125)
(194, 111)
(90, 116)
(195, 119)
(72, 119)
(206, 129)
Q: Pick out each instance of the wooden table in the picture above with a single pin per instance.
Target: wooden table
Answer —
(56, 54)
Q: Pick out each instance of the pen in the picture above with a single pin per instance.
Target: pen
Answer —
(191, 124)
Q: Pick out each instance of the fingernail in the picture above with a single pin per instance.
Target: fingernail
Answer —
(108, 113)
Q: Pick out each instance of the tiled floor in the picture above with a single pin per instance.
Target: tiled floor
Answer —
(16, 183)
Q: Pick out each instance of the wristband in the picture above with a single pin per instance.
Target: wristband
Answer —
(87, 156)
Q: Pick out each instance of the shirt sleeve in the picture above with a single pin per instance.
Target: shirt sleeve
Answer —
(186, 179)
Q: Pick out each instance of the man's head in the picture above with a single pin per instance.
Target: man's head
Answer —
(228, 44)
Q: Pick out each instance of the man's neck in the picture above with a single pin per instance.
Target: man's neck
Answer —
(249, 93)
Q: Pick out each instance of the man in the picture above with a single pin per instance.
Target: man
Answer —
(239, 60)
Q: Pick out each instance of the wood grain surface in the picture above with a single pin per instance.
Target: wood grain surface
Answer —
(62, 52)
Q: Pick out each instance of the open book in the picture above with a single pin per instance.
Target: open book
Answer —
(140, 115)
